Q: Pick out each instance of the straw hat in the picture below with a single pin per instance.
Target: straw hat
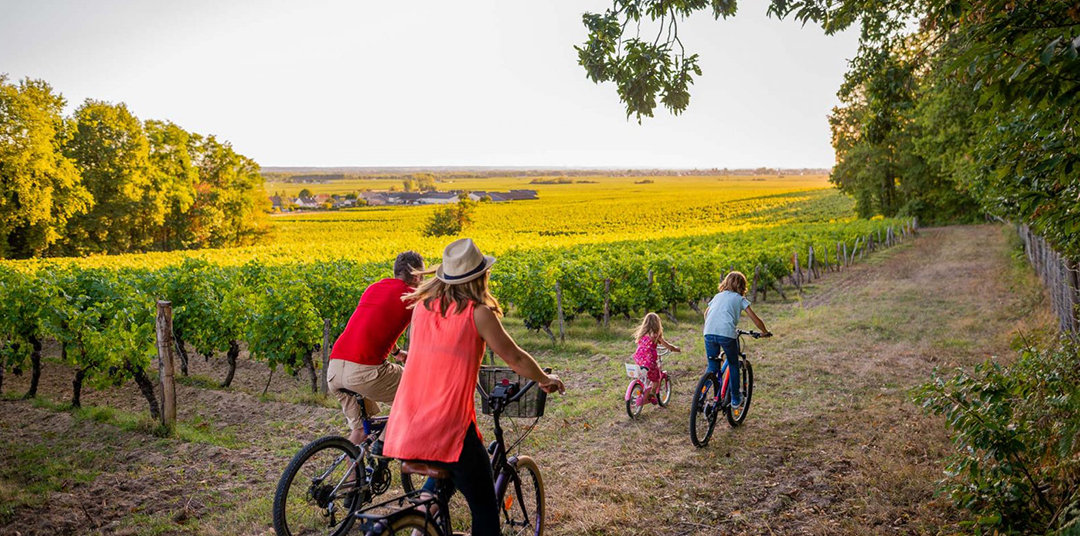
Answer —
(462, 262)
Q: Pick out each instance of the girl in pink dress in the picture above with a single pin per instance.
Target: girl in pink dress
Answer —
(648, 335)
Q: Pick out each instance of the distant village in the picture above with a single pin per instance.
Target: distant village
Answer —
(381, 198)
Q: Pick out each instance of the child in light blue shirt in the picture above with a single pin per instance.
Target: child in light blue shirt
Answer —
(721, 323)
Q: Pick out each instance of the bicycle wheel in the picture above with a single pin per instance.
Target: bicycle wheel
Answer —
(664, 395)
(406, 525)
(522, 500)
(633, 409)
(703, 410)
(746, 388)
(306, 502)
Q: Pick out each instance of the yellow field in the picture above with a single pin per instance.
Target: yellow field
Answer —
(611, 209)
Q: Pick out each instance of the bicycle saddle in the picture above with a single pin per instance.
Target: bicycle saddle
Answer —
(350, 393)
(421, 468)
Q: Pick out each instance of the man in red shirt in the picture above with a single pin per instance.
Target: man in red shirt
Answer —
(358, 360)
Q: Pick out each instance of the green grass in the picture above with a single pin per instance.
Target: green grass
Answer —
(200, 381)
(199, 430)
(30, 472)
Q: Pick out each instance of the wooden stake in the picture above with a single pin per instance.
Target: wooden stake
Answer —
(558, 304)
(165, 346)
(796, 271)
(607, 301)
(325, 356)
(753, 287)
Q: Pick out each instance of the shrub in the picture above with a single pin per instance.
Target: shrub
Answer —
(1016, 465)
(451, 219)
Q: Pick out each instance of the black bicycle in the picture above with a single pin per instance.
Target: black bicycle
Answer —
(329, 480)
(712, 397)
(518, 484)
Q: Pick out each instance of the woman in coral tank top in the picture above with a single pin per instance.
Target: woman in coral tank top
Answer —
(433, 418)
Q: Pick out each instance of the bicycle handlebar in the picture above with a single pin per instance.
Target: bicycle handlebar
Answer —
(754, 334)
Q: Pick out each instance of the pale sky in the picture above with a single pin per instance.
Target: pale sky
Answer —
(429, 83)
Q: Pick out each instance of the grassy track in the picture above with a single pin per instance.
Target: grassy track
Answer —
(832, 444)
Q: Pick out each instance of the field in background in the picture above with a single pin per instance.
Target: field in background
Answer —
(606, 209)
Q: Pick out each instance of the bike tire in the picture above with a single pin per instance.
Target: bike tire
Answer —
(512, 508)
(281, 495)
(701, 412)
(747, 390)
(405, 525)
(632, 407)
(664, 394)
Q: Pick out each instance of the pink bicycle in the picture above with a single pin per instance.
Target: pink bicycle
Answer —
(635, 392)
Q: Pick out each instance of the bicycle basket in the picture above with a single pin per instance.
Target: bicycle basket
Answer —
(529, 406)
(635, 372)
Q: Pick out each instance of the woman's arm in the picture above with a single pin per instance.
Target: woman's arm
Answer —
(757, 321)
(493, 333)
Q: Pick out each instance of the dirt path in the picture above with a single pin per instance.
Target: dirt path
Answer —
(832, 445)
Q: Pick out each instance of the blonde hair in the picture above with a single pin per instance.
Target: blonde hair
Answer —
(651, 326)
(433, 291)
(735, 282)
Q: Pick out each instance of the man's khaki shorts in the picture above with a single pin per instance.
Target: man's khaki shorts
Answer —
(378, 383)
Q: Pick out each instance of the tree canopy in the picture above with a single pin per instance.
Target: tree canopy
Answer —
(103, 181)
(950, 108)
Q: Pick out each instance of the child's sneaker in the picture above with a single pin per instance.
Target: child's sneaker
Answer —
(737, 410)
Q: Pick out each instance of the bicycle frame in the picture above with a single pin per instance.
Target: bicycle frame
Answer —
(725, 373)
(642, 382)
(503, 468)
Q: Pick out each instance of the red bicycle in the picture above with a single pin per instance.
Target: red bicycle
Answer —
(636, 397)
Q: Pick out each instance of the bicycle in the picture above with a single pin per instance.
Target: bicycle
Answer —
(635, 391)
(712, 397)
(518, 484)
(326, 492)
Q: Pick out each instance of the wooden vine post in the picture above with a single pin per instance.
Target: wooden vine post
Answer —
(674, 312)
(166, 372)
(325, 356)
(607, 301)
(558, 305)
(753, 287)
(796, 271)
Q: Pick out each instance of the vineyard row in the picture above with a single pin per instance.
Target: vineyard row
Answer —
(104, 320)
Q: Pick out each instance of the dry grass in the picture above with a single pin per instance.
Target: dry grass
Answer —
(832, 445)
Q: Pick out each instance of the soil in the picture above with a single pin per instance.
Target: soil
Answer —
(833, 443)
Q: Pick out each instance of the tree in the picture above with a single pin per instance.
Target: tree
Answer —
(112, 152)
(425, 182)
(173, 174)
(408, 185)
(231, 206)
(304, 193)
(40, 187)
(451, 219)
(1010, 69)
